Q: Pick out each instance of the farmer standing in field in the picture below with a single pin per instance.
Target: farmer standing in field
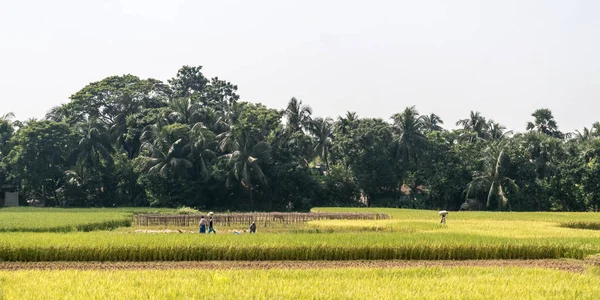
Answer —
(253, 227)
(443, 213)
(210, 225)
(203, 225)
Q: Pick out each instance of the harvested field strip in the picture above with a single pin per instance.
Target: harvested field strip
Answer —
(244, 219)
(565, 265)
(282, 252)
(339, 283)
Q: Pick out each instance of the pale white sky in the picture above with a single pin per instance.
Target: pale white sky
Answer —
(503, 58)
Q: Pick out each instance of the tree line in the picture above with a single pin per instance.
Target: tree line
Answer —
(192, 142)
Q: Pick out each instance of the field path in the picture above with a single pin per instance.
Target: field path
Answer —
(565, 265)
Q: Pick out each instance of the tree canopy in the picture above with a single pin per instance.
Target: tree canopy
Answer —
(193, 141)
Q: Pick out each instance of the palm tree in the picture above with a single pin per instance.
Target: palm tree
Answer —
(409, 127)
(244, 158)
(595, 131)
(184, 111)
(7, 116)
(55, 114)
(584, 135)
(322, 129)
(165, 162)
(298, 115)
(544, 123)
(496, 131)
(475, 123)
(493, 177)
(94, 146)
(346, 123)
(431, 123)
(202, 145)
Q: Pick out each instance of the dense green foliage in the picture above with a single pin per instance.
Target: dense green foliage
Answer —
(192, 141)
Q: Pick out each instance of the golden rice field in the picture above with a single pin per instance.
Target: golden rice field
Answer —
(411, 234)
(63, 254)
(32, 219)
(352, 283)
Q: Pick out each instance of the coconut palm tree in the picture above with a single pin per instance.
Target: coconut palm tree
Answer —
(244, 158)
(7, 116)
(431, 123)
(322, 129)
(298, 116)
(94, 146)
(475, 123)
(496, 131)
(493, 177)
(55, 114)
(584, 135)
(202, 147)
(409, 128)
(184, 111)
(346, 123)
(165, 161)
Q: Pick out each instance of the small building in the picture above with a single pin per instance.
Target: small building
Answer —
(9, 195)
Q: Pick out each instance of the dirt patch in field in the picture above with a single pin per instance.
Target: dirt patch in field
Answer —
(565, 265)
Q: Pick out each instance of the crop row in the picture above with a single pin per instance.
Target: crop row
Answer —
(354, 283)
(85, 227)
(296, 252)
(582, 225)
(61, 221)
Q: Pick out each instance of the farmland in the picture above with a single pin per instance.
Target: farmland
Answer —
(410, 234)
(410, 249)
(340, 283)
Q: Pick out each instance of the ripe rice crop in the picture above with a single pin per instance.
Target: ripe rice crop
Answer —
(104, 246)
(412, 234)
(61, 221)
(345, 283)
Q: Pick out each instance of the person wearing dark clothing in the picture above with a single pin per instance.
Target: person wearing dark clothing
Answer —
(210, 226)
(253, 227)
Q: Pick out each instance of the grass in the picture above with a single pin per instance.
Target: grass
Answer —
(345, 283)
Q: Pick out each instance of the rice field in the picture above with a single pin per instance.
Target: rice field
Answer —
(34, 219)
(100, 254)
(338, 283)
(411, 234)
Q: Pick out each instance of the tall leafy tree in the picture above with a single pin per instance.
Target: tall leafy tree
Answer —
(493, 177)
(39, 158)
(322, 129)
(496, 131)
(545, 123)
(431, 122)
(369, 151)
(410, 140)
(298, 115)
(94, 147)
(245, 155)
(476, 123)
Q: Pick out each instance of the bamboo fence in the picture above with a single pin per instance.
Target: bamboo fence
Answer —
(244, 219)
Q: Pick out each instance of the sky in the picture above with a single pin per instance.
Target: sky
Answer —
(502, 58)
